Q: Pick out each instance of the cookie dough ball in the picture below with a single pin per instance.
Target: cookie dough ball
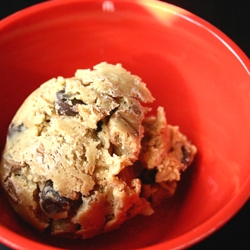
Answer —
(82, 156)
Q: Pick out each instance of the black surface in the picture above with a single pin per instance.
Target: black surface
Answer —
(233, 18)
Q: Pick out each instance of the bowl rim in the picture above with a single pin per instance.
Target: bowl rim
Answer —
(13, 240)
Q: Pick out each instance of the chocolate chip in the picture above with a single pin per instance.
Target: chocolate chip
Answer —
(185, 155)
(76, 101)
(99, 125)
(147, 176)
(51, 202)
(65, 105)
(13, 129)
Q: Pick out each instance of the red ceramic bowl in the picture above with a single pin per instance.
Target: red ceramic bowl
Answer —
(197, 73)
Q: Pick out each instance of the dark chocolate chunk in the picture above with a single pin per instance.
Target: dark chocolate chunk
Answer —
(99, 126)
(65, 105)
(147, 176)
(51, 202)
(185, 155)
(75, 101)
(13, 129)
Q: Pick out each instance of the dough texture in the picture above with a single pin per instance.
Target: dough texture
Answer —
(82, 156)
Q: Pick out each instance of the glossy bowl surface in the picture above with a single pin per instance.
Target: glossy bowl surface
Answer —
(196, 72)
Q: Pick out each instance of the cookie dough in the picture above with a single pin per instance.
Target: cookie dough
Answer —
(82, 154)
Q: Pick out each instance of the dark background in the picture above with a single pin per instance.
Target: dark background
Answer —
(233, 18)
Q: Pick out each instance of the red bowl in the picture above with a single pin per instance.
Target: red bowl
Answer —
(196, 72)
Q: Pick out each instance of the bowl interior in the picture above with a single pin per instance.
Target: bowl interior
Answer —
(194, 71)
